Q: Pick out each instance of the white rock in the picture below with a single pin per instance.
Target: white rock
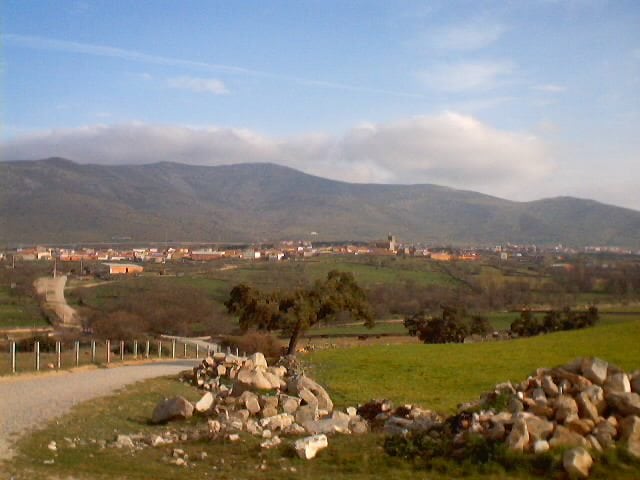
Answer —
(258, 361)
(308, 447)
(352, 411)
(541, 446)
(233, 437)
(124, 441)
(577, 462)
(271, 442)
(618, 382)
(204, 403)
(595, 370)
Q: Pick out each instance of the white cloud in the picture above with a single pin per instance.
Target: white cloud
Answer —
(450, 149)
(473, 35)
(550, 88)
(195, 84)
(463, 76)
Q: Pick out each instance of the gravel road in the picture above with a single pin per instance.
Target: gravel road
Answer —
(29, 402)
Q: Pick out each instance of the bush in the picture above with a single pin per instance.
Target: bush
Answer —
(553, 321)
(254, 341)
(450, 327)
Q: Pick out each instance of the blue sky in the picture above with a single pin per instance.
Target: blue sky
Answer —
(516, 99)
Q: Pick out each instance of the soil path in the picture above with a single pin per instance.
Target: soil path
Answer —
(52, 289)
(31, 401)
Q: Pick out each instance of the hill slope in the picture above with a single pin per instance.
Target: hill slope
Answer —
(56, 200)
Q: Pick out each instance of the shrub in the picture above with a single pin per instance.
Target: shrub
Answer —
(254, 341)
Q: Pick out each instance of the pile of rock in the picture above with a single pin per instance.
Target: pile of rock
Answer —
(246, 394)
(586, 406)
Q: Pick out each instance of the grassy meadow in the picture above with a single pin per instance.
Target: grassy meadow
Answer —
(434, 376)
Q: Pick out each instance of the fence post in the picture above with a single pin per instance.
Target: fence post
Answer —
(146, 353)
(36, 350)
(185, 350)
(58, 354)
(159, 348)
(135, 349)
(77, 353)
(122, 350)
(208, 351)
(228, 350)
(173, 348)
(108, 343)
(197, 351)
(237, 352)
(12, 349)
(93, 351)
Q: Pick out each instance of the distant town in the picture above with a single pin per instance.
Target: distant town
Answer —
(130, 260)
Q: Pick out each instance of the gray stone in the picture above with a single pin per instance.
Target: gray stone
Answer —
(595, 370)
(630, 434)
(594, 444)
(518, 438)
(277, 422)
(124, 441)
(171, 409)
(289, 404)
(586, 409)
(549, 386)
(271, 442)
(605, 432)
(563, 437)
(358, 426)
(338, 423)
(617, 382)
(257, 360)
(626, 403)
(269, 401)
(577, 462)
(307, 397)
(302, 381)
(269, 412)
(540, 446)
(204, 403)
(538, 428)
(566, 408)
(250, 401)
(596, 395)
(308, 447)
(306, 413)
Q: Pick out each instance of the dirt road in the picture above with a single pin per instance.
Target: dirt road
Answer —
(52, 290)
(29, 402)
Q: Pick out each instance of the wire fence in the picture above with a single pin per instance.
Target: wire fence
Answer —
(56, 355)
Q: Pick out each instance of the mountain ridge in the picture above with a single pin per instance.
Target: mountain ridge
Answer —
(56, 199)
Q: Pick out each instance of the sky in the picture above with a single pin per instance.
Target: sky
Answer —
(517, 99)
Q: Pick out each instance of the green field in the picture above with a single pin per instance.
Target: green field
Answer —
(19, 312)
(442, 376)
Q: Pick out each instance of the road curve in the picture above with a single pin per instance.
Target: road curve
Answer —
(32, 401)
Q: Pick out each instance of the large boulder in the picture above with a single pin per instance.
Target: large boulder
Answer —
(630, 428)
(204, 403)
(256, 361)
(538, 428)
(595, 370)
(299, 382)
(172, 409)
(617, 382)
(566, 408)
(563, 437)
(627, 403)
(518, 438)
(308, 447)
(577, 462)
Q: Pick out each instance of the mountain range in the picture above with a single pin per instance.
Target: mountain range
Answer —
(59, 201)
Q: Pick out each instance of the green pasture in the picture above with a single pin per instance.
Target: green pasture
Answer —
(19, 312)
(442, 376)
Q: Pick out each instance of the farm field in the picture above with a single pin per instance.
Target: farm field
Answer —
(435, 376)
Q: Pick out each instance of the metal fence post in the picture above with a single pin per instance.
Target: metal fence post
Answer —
(197, 351)
(122, 350)
(108, 343)
(173, 348)
(228, 350)
(77, 353)
(159, 348)
(237, 352)
(146, 354)
(58, 354)
(208, 351)
(93, 351)
(135, 349)
(185, 350)
(36, 349)
(12, 349)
